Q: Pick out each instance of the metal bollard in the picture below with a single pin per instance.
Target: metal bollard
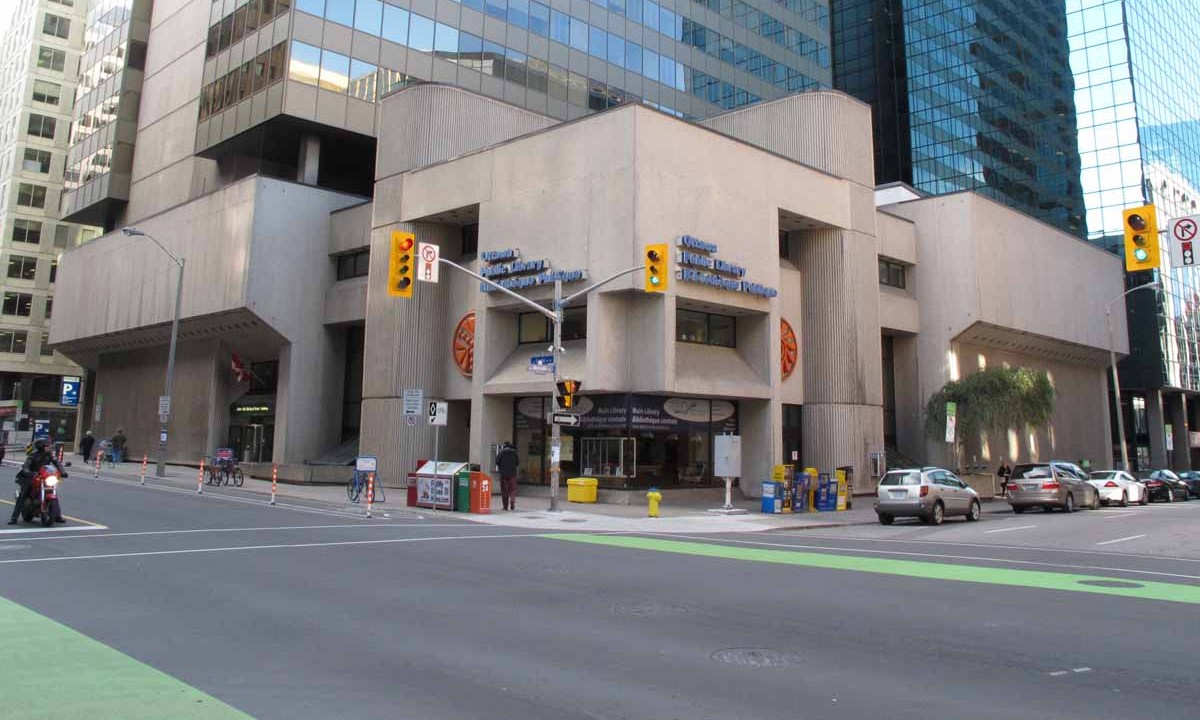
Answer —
(144, 459)
(274, 481)
(370, 492)
(96, 469)
(200, 479)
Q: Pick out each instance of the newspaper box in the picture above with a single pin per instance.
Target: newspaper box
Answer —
(435, 484)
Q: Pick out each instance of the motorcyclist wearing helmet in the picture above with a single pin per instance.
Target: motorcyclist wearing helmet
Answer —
(38, 458)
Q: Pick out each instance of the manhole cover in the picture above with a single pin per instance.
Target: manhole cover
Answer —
(755, 657)
(1112, 583)
(649, 610)
(574, 520)
(531, 517)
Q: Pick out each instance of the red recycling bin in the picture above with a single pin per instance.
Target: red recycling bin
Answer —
(481, 493)
(412, 489)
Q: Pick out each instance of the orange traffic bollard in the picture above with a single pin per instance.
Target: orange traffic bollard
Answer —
(96, 471)
(370, 492)
(200, 479)
(274, 481)
(144, 459)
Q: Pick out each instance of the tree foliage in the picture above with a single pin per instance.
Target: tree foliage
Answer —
(993, 400)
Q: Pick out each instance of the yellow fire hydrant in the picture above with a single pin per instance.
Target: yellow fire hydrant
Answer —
(654, 497)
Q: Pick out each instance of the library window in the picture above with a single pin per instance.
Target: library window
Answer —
(891, 274)
(692, 326)
(352, 265)
(537, 328)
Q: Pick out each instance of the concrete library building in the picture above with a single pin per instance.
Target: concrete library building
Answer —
(807, 310)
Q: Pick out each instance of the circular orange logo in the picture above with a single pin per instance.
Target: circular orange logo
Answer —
(464, 344)
(789, 351)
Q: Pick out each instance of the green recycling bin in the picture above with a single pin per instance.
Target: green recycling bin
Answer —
(462, 491)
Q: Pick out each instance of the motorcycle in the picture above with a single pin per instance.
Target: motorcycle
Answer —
(43, 496)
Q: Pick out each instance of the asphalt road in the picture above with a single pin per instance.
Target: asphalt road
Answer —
(309, 612)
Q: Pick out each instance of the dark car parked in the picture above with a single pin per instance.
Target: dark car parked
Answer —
(1192, 478)
(1164, 485)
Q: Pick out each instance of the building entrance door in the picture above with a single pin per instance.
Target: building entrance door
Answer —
(252, 442)
(793, 436)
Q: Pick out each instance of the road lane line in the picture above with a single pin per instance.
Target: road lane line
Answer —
(52, 532)
(990, 546)
(1131, 537)
(1082, 670)
(946, 572)
(284, 546)
(929, 555)
(1058, 673)
(360, 526)
(1002, 530)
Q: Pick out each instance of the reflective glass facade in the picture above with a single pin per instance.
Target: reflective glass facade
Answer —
(1139, 143)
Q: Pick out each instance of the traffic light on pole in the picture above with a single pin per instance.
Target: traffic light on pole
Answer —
(402, 265)
(656, 268)
(566, 393)
(1141, 239)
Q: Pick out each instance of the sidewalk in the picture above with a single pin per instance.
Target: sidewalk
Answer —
(533, 512)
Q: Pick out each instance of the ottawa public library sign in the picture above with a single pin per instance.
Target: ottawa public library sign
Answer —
(696, 259)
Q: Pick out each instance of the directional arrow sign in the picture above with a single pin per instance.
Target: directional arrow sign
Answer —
(565, 419)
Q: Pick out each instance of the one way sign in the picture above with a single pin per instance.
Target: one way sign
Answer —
(437, 412)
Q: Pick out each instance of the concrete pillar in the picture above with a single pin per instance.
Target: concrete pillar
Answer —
(309, 163)
(1176, 406)
(843, 369)
(1157, 427)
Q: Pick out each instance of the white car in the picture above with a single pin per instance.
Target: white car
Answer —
(1118, 488)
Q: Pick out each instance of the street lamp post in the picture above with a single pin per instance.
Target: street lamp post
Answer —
(161, 470)
(1112, 357)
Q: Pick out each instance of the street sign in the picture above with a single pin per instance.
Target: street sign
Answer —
(428, 270)
(565, 419)
(70, 390)
(410, 420)
(164, 404)
(1183, 239)
(162, 438)
(438, 410)
(41, 429)
(541, 364)
(366, 463)
(414, 398)
(727, 456)
(164, 418)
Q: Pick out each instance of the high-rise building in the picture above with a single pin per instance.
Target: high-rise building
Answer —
(289, 88)
(1070, 111)
(969, 95)
(39, 55)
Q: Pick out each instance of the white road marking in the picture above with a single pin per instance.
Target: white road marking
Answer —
(868, 553)
(1021, 527)
(198, 551)
(54, 530)
(1131, 537)
(362, 526)
(1082, 670)
(1024, 548)
(1057, 673)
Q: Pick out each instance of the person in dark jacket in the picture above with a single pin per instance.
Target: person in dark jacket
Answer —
(85, 446)
(1004, 473)
(118, 447)
(39, 458)
(506, 462)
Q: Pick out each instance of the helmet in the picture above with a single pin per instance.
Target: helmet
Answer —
(39, 445)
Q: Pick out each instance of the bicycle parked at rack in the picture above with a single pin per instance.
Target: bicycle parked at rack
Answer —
(223, 470)
(356, 488)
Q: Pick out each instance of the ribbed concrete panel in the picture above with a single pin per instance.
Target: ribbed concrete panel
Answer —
(824, 129)
(842, 360)
(430, 123)
(406, 341)
(842, 435)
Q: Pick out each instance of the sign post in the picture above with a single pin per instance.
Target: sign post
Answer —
(438, 411)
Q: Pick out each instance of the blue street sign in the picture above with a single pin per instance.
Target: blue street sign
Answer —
(41, 429)
(70, 391)
(541, 360)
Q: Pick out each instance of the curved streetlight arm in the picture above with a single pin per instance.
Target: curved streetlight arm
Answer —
(134, 232)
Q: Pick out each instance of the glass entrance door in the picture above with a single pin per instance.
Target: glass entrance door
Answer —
(252, 443)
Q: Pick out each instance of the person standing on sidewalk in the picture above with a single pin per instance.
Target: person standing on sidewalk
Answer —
(506, 461)
(86, 445)
(118, 446)
(1004, 472)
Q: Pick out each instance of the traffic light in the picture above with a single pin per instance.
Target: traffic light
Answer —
(1141, 239)
(566, 393)
(656, 268)
(402, 265)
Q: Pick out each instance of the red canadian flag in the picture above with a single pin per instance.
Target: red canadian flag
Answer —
(239, 370)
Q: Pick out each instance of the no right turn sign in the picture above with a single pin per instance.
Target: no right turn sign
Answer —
(1183, 238)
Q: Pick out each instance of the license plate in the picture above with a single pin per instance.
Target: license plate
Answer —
(899, 494)
(1029, 486)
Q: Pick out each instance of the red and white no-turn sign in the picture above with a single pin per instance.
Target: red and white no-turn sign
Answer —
(428, 269)
(1183, 234)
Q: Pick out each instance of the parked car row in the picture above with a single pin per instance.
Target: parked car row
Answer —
(932, 494)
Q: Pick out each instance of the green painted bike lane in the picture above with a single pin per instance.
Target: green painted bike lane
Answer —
(56, 673)
(983, 574)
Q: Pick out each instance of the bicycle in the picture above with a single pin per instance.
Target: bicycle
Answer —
(231, 473)
(357, 485)
(212, 473)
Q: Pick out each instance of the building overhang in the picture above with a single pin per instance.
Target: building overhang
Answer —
(1006, 339)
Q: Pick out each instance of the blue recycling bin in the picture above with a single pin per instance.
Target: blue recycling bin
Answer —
(772, 497)
(800, 485)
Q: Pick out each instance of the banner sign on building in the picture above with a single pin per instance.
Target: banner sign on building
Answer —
(951, 421)
(698, 263)
(637, 413)
(506, 269)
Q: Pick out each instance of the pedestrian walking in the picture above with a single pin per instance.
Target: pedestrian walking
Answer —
(118, 446)
(1004, 472)
(506, 461)
(85, 446)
